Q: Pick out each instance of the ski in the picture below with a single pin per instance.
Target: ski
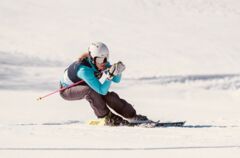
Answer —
(170, 124)
(96, 122)
(150, 124)
(153, 124)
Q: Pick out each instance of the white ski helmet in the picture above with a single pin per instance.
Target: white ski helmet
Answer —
(98, 49)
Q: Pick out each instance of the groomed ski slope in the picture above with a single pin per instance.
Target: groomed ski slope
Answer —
(182, 61)
(56, 128)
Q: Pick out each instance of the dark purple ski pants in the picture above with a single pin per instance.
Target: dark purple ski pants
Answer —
(98, 102)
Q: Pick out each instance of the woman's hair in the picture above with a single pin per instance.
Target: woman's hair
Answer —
(84, 55)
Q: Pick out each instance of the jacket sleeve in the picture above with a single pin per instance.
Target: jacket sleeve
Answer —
(88, 76)
(117, 78)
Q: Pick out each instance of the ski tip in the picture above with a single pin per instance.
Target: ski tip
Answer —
(96, 122)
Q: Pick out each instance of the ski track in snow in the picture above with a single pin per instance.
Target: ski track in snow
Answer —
(77, 122)
(130, 148)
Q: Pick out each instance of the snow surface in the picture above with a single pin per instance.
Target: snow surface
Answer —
(182, 61)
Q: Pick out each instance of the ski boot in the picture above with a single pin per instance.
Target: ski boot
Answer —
(114, 120)
(139, 119)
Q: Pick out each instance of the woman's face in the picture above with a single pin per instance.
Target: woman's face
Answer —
(101, 66)
(101, 63)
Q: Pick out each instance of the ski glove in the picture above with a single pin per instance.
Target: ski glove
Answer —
(115, 69)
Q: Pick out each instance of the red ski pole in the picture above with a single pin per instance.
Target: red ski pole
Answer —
(63, 88)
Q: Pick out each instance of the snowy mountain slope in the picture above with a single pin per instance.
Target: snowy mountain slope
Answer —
(182, 61)
(170, 37)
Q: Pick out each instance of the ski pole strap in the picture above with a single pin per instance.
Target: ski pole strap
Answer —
(59, 90)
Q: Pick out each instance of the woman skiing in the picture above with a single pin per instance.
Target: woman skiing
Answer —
(90, 67)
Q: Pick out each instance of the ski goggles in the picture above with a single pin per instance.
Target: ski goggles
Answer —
(101, 60)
